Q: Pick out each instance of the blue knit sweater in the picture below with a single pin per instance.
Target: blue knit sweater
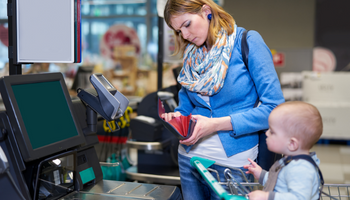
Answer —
(238, 95)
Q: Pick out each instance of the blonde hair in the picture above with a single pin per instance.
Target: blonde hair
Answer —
(303, 121)
(220, 19)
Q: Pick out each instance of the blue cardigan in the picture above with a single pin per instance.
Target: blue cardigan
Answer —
(238, 95)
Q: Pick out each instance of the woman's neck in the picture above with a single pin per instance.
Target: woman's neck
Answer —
(207, 45)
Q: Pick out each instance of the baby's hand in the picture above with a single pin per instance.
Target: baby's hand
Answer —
(258, 195)
(253, 168)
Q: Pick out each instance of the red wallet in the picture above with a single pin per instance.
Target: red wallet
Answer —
(182, 126)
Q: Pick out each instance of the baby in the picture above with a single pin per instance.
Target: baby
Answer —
(294, 128)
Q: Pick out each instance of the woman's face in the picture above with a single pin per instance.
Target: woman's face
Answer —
(192, 27)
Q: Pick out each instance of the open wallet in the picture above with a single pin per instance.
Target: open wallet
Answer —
(182, 126)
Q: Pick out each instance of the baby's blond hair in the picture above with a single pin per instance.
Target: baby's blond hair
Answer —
(301, 120)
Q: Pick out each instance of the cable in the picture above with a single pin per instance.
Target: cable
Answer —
(4, 134)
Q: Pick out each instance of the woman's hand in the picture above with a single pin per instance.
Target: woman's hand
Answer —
(204, 126)
(171, 115)
(253, 168)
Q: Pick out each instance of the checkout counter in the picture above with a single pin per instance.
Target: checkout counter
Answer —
(167, 175)
(47, 142)
(156, 146)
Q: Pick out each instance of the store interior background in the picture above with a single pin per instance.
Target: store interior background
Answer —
(294, 28)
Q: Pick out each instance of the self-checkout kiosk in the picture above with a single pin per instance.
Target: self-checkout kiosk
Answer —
(46, 138)
(48, 141)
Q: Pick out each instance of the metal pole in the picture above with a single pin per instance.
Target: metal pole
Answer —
(160, 51)
(14, 67)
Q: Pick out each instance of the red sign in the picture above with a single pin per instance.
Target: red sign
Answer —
(4, 35)
(278, 59)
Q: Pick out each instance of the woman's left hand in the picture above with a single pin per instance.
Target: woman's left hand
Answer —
(204, 126)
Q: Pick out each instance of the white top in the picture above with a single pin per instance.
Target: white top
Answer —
(210, 147)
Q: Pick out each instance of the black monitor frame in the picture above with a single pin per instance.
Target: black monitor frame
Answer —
(17, 123)
(82, 70)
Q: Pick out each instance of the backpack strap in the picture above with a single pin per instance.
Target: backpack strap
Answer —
(245, 54)
(245, 48)
(310, 160)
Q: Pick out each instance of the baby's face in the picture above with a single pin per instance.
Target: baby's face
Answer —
(277, 136)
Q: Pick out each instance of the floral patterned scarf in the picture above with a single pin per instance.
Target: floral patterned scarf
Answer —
(205, 72)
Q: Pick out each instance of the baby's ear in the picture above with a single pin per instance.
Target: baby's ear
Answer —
(293, 144)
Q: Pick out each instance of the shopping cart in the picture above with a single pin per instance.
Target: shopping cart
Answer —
(239, 191)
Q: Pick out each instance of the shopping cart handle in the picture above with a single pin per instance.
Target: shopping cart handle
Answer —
(213, 183)
(205, 162)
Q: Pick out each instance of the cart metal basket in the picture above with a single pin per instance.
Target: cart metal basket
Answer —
(239, 191)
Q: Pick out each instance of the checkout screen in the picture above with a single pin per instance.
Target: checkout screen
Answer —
(45, 113)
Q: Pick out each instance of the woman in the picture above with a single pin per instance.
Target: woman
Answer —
(218, 90)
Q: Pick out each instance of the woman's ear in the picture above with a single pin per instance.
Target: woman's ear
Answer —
(293, 144)
(206, 9)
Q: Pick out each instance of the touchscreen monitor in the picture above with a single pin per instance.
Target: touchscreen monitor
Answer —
(41, 114)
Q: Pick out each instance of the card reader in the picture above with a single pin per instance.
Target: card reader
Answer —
(105, 92)
(109, 102)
